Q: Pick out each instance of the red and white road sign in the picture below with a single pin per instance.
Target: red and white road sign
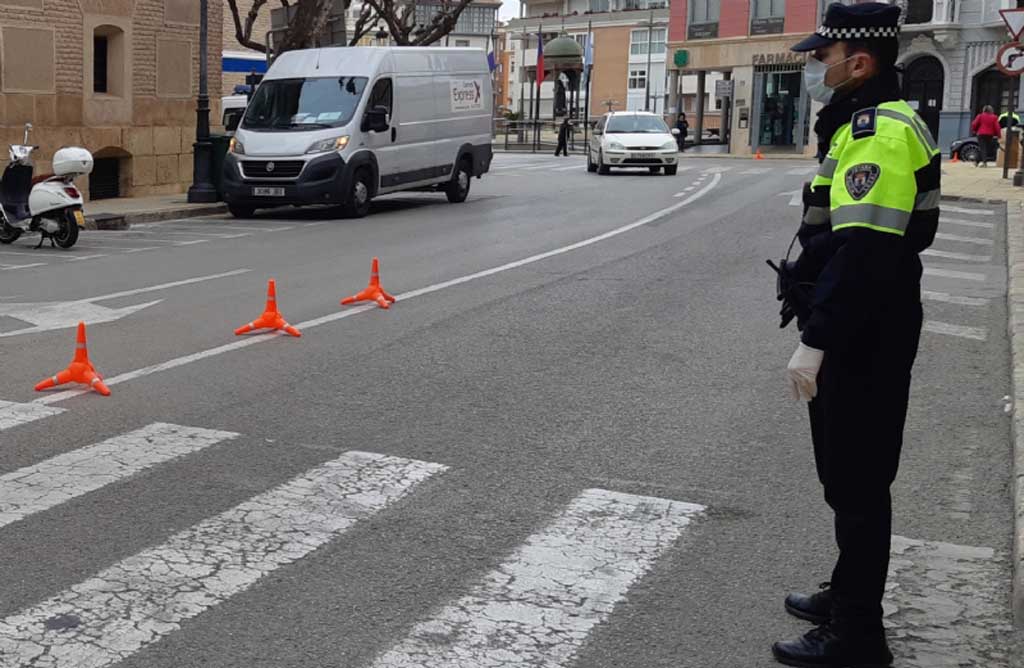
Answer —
(1010, 59)
(1014, 20)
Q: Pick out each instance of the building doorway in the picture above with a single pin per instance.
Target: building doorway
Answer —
(923, 87)
(780, 108)
(994, 88)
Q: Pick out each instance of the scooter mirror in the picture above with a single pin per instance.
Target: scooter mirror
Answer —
(28, 129)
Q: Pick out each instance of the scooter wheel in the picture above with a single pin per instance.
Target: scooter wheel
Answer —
(67, 235)
(8, 233)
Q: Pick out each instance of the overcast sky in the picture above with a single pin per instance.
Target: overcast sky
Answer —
(509, 10)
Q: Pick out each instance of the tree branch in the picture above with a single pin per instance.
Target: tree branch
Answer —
(244, 34)
(364, 24)
(443, 22)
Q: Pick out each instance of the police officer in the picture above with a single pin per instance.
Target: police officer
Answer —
(869, 212)
(1009, 120)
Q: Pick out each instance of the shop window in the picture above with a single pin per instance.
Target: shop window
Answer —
(919, 11)
(637, 79)
(638, 40)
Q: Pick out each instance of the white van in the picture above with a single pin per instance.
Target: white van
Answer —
(343, 125)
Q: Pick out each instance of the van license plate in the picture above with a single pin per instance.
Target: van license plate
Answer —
(642, 156)
(80, 219)
(268, 192)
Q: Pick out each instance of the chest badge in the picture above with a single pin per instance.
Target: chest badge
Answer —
(860, 179)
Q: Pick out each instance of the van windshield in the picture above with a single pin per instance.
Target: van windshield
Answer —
(640, 124)
(303, 104)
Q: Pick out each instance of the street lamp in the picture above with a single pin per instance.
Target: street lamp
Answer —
(202, 189)
(647, 77)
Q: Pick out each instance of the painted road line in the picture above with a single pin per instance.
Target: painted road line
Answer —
(948, 255)
(966, 223)
(166, 286)
(12, 267)
(191, 243)
(13, 414)
(947, 298)
(967, 240)
(139, 250)
(796, 197)
(57, 397)
(948, 273)
(717, 170)
(685, 192)
(976, 333)
(538, 607)
(977, 212)
(801, 171)
(90, 257)
(136, 602)
(759, 170)
(55, 481)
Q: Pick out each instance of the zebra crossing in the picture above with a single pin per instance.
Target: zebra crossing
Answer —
(528, 164)
(539, 606)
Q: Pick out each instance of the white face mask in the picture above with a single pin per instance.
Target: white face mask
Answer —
(814, 79)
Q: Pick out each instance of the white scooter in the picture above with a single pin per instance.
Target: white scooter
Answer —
(50, 203)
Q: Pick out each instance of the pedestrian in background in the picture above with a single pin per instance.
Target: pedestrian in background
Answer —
(684, 129)
(564, 131)
(986, 128)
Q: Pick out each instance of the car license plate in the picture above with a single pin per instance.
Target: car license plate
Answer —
(268, 192)
(80, 218)
(642, 156)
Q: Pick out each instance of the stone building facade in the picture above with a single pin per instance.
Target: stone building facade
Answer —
(119, 77)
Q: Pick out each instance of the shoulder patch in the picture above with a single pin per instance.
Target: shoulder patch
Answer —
(860, 179)
(863, 123)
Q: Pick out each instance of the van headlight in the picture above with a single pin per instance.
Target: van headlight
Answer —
(615, 146)
(236, 147)
(670, 146)
(330, 144)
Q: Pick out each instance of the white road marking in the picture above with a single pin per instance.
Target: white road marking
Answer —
(717, 170)
(966, 223)
(967, 240)
(963, 257)
(538, 607)
(48, 316)
(12, 267)
(758, 170)
(191, 243)
(953, 299)
(57, 397)
(12, 414)
(977, 212)
(976, 333)
(137, 601)
(796, 197)
(55, 481)
(139, 250)
(947, 273)
(685, 192)
(801, 171)
(88, 257)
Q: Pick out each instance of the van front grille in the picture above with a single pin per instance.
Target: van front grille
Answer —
(272, 169)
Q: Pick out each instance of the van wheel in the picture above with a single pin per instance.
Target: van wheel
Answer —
(358, 202)
(240, 211)
(602, 168)
(8, 233)
(458, 189)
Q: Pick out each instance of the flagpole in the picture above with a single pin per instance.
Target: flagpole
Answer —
(589, 68)
(540, 80)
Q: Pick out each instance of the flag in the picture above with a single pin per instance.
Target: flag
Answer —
(491, 63)
(540, 58)
(588, 58)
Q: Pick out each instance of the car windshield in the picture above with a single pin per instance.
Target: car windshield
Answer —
(302, 104)
(639, 124)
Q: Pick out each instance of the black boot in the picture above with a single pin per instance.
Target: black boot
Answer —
(824, 647)
(816, 608)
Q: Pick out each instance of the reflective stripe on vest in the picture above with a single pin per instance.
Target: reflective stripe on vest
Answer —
(871, 216)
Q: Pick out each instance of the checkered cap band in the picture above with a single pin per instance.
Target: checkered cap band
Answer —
(846, 34)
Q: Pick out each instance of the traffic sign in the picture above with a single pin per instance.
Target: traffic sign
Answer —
(724, 88)
(1014, 20)
(1010, 59)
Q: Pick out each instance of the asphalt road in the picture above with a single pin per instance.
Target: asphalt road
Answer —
(582, 450)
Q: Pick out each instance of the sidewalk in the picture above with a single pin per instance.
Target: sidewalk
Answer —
(121, 213)
(963, 179)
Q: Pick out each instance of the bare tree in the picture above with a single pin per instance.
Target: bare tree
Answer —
(311, 18)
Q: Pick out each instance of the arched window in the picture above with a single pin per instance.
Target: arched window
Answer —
(994, 88)
(108, 55)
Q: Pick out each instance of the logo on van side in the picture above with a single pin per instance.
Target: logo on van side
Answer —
(467, 95)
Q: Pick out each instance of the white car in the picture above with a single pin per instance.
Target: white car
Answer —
(633, 139)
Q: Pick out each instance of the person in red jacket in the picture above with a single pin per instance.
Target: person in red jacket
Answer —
(986, 128)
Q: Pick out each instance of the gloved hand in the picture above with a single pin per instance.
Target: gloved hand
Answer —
(802, 372)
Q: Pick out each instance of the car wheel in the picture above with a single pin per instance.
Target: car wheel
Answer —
(358, 203)
(602, 168)
(970, 152)
(671, 170)
(591, 167)
(458, 190)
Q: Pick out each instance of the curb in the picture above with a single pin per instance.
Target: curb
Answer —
(1015, 312)
(123, 221)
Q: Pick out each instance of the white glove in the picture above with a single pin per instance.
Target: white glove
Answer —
(802, 372)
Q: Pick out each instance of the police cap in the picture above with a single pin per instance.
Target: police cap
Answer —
(867, 21)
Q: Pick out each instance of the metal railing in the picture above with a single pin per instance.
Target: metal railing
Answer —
(538, 136)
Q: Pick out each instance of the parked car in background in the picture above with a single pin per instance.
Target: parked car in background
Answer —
(967, 149)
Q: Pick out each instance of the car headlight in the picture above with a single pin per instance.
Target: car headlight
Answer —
(236, 147)
(330, 144)
(615, 146)
(670, 146)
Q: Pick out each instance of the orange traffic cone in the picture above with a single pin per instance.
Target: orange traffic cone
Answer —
(271, 318)
(956, 157)
(80, 371)
(373, 292)
(758, 155)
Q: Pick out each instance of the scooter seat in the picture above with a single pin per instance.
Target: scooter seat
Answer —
(41, 178)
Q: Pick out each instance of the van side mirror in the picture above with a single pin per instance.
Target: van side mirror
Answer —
(376, 119)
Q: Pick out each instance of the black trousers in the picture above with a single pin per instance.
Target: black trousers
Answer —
(563, 148)
(857, 423)
(987, 149)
